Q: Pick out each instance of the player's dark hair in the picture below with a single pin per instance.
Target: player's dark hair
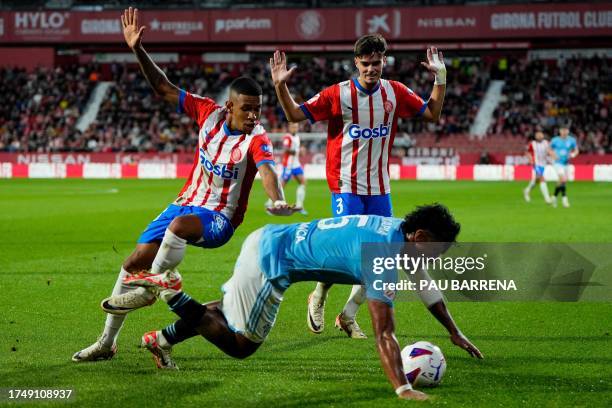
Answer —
(246, 86)
(434, 218)
(370, 44)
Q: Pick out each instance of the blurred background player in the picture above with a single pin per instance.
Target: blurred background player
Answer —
(538, 152)
(362, 115)
(276, 256)
(214, 199)
(292, 168)
(565, 148)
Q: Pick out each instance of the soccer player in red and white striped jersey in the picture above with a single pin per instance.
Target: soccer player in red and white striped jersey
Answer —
(362, 115)
(232, 148)
(538, 152)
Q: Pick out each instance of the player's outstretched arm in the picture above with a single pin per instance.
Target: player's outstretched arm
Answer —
(389, 350)
(552, 155)
(274, 190)
(154, 75)
(435, 65)
(442, 314)
(280, 76)
(574, 153)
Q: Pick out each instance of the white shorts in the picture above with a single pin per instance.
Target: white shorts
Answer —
(250, 302)
(561, 170)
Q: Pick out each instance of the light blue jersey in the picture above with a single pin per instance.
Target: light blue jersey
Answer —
(562, 148)
(327, 250)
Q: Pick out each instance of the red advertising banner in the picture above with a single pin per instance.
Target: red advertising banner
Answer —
(316, 25)
(184, 26)
(85, 157)
(241, 26)
(598, 172)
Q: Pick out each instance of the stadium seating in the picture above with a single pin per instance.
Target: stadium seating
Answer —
(41, 117)
(39, 110)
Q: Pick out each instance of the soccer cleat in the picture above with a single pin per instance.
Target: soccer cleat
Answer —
(161, 355)
(163, 285)
(553, 202)
(128, 301)
(350, 327)
(316, 315)
(303, 212)
(565, 202)
(526, 195)
(95, 352)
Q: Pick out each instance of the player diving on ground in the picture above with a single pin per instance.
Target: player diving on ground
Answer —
(328, 250)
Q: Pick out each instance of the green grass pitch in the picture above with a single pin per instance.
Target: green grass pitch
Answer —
(63, 242)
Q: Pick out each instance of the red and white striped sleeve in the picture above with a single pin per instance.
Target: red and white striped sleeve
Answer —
(195, 106)
(324, 105)
(409, 104)
(261, 151)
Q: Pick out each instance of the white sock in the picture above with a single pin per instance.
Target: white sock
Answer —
(356, 299)
(531, 185)
(320, 292)
(114, 322)
(171, 252)
(544, 190)
(163, 343)
(300, 195)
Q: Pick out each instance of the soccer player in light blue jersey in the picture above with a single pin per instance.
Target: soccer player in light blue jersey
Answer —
(328, 250)
(565, 148)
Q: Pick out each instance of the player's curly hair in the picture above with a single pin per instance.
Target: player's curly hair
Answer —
(245, 85)
(434, 218)
(370, 44)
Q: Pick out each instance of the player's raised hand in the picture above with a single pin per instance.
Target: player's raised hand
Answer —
(460, 340)
(278, 68)
(435, 65)
(131, 31)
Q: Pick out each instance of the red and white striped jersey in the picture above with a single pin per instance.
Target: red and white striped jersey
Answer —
(360, 132)
(538, 150)
(292, 143)
(226, 162)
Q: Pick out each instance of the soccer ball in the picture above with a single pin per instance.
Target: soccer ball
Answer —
(424, 364)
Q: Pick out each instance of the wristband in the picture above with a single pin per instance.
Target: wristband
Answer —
(402, 388)
(278, 203)
(440, 77)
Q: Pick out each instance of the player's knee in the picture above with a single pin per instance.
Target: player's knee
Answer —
(137, 262)
(185, 227)
(242, 353)
(243, 348)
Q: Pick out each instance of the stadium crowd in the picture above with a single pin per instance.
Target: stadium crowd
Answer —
(545, 94)
(40, 109)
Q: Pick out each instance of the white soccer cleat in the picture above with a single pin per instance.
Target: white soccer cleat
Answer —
(161, 355)
(526, 195)
(128, 301)
(95, 352)
(163, 285)
(565, 202)
(553, 202)
(303, 212)
(316, 315)
(350, 327)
